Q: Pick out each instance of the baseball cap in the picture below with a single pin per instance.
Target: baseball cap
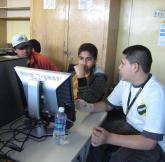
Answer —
(19, 41)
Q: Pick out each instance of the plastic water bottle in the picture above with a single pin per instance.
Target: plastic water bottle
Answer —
(59, 127)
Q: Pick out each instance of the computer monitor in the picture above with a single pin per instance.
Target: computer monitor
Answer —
(45, 91)
(12, 101)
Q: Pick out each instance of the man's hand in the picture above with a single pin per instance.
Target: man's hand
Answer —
(99, 136)
(80, 70)
(83, 106)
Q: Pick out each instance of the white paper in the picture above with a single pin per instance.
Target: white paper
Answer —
(162, 33)
(85, 4)
(49, 4)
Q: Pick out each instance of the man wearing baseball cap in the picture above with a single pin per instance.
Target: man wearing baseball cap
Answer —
(23, 48)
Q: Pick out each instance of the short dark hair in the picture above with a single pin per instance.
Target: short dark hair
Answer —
(139, 54)
(91, 48)
(36, 45)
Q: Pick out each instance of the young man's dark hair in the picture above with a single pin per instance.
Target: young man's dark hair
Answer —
(90, 48)
(90, 80)
(140, 55)
(35, 45)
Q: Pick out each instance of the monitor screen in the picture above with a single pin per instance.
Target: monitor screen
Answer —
(12, 103)
(45, 91)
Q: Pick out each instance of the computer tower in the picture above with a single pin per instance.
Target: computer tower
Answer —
(12, 103)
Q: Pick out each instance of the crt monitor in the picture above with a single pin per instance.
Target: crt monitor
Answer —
(12, 100)
(45, 91)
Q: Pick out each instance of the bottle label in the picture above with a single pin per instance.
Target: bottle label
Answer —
(59, 126)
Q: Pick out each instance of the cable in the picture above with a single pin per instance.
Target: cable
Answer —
(26, 138)
(5, 143)
(6, 157)
(10, 144)
(70, 120)
(15, 147)
(31, 126)
(26, 130)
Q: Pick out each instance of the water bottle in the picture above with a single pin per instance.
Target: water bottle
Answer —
(59, 127)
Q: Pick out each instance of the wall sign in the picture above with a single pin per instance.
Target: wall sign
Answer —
(49, 4)
(162, 33)
(85, 4)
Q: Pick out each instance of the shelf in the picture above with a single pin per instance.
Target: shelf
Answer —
(15, 18)
(14, 15)
(15, 8)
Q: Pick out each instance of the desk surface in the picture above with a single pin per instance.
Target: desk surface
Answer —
(46, 151)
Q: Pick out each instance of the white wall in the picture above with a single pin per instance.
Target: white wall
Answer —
(139, 26)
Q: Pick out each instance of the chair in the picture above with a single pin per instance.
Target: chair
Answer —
(71, 68)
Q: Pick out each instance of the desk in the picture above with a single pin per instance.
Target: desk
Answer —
(46, 151)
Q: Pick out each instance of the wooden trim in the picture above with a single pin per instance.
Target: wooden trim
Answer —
(15, 8)
(15, 18)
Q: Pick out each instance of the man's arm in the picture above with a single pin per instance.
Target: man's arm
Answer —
(88, 107)
(101, 136)
(93, 90)
(101, 106)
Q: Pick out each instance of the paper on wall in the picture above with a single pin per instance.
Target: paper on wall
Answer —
(85, 4)
(49, 4)
(161, 41)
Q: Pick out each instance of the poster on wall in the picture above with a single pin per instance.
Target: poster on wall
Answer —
(85, 4)
(49, 4)
(161, 41)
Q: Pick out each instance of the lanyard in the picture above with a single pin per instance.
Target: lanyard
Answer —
(129, 105)
(129, 97)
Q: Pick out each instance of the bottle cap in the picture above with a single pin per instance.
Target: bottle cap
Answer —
(61, 109)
